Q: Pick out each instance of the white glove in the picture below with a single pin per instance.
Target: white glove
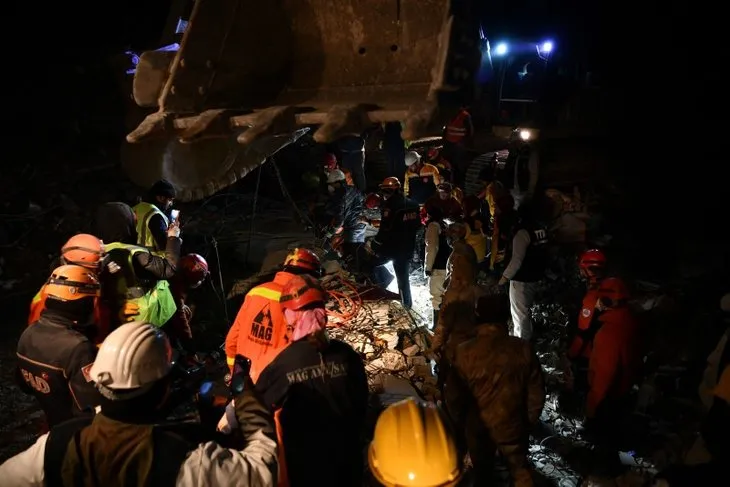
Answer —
(228, 421)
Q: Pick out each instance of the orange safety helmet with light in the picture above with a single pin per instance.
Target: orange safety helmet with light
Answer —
(373, 201)
(412, 446)
(194, 269)
(302, 292)
(391, 182)
(72, 282)
(303, 260)
(84, 250)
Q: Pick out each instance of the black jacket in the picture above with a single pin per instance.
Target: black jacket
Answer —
(345, 207)
(53, 364)
(323, 396)
(398, 227)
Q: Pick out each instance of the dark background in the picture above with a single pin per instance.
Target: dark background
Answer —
(661, 62)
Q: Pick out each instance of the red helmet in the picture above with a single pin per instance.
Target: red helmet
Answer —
(194, 269)
(433, 153)
(614, 291)
(302, 291)
(330, 161)
(592, 258)
(373, 201)
(84, 250)
(303, 260)
(390, 182)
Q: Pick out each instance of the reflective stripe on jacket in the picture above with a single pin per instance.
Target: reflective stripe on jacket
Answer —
(144, 212)
(259, 331)
(421, 185)
(456, 128)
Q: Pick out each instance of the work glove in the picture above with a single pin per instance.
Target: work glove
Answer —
(187, 312)
(173, 230)
(129, 312)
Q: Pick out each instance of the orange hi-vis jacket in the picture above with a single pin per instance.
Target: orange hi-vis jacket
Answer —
(101, 318)
(616, 359)
(579, 347)
(456, 128)
(259, 331)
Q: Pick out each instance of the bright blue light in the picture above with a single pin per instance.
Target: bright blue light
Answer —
(501, 49)
(547, 46)
(205, 388)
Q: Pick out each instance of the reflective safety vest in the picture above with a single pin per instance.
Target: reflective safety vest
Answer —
(259, 331)
(456, 128)
(154, 299)
(144, 212)
(420, 186)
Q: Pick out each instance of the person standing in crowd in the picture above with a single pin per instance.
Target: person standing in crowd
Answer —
(352, 150)
(526, 267)
(153, 216)
(421, 178)
(436, 256)
(458, 132)
(395, 149)
(345, 208)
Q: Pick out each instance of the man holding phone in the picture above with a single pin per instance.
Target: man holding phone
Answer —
(154, 215)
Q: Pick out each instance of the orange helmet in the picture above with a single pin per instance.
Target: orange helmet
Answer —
(390, 182)
(592, 258)
(301, 292)
(613, 291)
(373, 201)
(72, 282)
(194, 269)
(303, 260)
(84, 250)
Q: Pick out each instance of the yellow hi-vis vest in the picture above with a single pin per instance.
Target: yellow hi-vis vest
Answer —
(156, 303)
(144, 212)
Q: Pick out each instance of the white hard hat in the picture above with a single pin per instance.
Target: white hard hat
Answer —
(412, 157)
(132, 358)
(335, 176)
(725, 303)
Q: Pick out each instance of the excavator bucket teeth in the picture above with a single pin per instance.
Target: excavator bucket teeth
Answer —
(203, 168)
(273, 65)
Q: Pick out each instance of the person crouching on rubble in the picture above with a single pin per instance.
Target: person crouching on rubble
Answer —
(436, 256)
(86, 251)
(153, 216)
(134, 283)
(259, 330)
(414, 446)
(321, 388)
(706, 461)
(614, 367)
(526, 266)
(503, 376)
(396, 238)
(128, 442)
(192, 272)
(346, 231)
(55, 352)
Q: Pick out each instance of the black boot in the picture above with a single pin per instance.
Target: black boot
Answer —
(435, 318)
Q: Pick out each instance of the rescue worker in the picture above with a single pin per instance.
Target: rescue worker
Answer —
(421, 179)
(192, 272)
(396, 238)
(436, 256)
(444, 199)
(352, 150)
(56, 352)
(527, 263)
(413, 445)
(435, 158)
(475, 238)
(504, 377)
(457, 133)
(614, 367)
(330, 164)
(129, 442)
(152, 216)
(259, 330)
(321, 388)
(135, 280)
(86, 251)
(501, 213)
(345, 208)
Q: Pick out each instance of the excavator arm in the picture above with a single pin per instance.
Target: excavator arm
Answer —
(250, 74)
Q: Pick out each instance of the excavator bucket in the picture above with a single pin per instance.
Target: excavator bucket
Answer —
(249, 71)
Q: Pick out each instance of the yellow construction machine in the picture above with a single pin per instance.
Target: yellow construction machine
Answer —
(249, 77)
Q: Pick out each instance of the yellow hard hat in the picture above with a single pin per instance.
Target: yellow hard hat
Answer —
(413, 447)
